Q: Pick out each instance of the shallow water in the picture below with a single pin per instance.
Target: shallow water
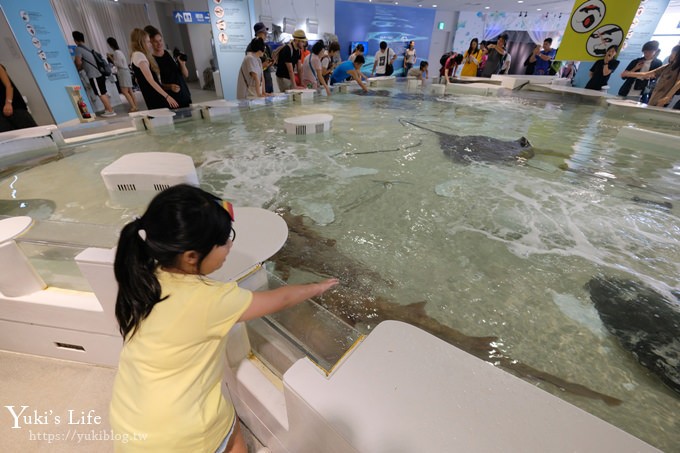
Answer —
(500, 249)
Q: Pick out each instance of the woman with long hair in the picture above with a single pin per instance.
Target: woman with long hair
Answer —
(146, 72)
(667, 79)
(124, 77)
(409, 57)
(471, 59)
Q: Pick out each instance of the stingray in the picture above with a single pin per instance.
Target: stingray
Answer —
(466, 148)
(644, 321)
(356, 303)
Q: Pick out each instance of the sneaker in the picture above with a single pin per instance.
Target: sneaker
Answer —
(108, 114)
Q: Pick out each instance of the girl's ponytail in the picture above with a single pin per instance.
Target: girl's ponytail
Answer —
(138, 287)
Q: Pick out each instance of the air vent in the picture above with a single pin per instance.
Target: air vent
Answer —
(72, 347)
(308, 124)
(135, 178)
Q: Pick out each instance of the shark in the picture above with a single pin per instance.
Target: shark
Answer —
(644, 321)
(356, 303)
(469, 148)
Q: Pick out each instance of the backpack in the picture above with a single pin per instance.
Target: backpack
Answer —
(275, 54)
(102, 65)
(442, 60)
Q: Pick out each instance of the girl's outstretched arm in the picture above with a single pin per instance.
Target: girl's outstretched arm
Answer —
(268, 302)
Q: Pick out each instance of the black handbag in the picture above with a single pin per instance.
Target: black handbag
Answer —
(389, 67)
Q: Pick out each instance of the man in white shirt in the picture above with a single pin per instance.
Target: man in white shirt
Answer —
(384, 57)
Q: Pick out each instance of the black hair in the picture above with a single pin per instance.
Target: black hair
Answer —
(334, 46)
(359, 47)
(78, 36)
(650, 45)
(112, 43)
(359, 59)
(469, 51)
(383, 45)
(152, 31)
(458, 59)
(178, 219)
(613, 46)
(256, 45)
(424, 64)
(318, 47)
(548, 40)
(504, 37)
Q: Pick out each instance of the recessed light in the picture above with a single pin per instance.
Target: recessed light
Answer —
(520, 1)
(487, 7)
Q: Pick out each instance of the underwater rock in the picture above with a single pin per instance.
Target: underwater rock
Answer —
(645, 322)
(466, 148)
(36, 208)
(355, 302)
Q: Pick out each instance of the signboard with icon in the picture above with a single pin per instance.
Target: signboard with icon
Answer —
(232, 32)
(594, 26)
(43, 47)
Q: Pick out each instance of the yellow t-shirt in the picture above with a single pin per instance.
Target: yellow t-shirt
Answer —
(167, 393)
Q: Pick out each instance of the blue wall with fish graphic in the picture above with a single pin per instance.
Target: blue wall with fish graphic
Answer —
(396, 25)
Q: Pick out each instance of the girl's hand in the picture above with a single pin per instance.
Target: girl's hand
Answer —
(325, 285)
(8, 110)
(171, 102)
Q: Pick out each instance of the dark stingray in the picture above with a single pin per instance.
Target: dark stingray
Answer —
(466, 148)
(645, 322)
(657, 204)
(355, 302)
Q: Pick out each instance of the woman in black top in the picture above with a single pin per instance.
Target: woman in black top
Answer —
(14, 111)
(173, 72)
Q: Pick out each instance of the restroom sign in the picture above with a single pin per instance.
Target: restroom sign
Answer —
(191, 17)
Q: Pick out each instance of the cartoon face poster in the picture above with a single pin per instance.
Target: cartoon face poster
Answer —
(595, 26)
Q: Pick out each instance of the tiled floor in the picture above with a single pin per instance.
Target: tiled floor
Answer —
(67, 406)
(54, 390)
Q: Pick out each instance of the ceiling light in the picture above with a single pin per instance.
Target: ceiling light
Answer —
(520, 1)
(538, 9)
(487, 7)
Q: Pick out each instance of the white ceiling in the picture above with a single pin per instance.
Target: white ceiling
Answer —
(563, 6)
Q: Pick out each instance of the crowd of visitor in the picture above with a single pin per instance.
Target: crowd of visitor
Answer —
(161, 76)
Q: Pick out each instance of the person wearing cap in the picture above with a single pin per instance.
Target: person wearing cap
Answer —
(261, 31)
(288, 61)
(633, 87)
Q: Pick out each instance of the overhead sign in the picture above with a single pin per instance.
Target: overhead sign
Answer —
(594, 26)
(42, 44)
(191, 17)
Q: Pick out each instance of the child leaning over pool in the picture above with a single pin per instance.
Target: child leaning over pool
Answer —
(167, 393)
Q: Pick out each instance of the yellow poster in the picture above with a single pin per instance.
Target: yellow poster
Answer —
(594, 26)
